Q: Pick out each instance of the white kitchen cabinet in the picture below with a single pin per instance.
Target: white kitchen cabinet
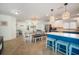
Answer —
(71, 24)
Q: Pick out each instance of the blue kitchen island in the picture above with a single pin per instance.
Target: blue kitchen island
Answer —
(66, 41)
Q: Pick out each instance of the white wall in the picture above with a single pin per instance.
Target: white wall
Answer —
(58, 23)
(23, 25)
(40, 25)
(77, 18)
(8, 31)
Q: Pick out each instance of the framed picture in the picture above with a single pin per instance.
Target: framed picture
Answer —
(3, 23)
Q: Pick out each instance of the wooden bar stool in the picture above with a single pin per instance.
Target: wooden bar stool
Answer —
(61, 47)
(74, 49)
(51, 43)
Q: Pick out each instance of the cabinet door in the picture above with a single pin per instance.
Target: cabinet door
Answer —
(73, 25)
(70, 24)
(66, 25)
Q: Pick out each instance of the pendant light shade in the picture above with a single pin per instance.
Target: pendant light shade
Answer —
(34, 20)
(66, 14)
(51, 18)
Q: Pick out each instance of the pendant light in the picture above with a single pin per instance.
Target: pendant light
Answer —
(66, 14)
(34, 20)
(52, 18)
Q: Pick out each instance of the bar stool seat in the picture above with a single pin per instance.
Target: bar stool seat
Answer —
(74, 49)
(61, 47)
(51, 43)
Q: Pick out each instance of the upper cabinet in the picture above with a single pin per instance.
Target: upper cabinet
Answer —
(70, 24)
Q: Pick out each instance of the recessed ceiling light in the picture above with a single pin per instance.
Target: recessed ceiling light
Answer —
(16, 12)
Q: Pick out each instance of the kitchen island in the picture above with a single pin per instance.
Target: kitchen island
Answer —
(66, 37)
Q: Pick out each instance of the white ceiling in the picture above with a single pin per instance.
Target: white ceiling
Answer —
(27, 10)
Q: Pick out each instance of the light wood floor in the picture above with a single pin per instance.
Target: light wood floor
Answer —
(19, 47)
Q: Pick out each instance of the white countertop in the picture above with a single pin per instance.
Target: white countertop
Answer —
(65, 34)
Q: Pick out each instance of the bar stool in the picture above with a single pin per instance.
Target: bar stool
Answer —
(61, 47)
(51, 43)
(74, 49)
